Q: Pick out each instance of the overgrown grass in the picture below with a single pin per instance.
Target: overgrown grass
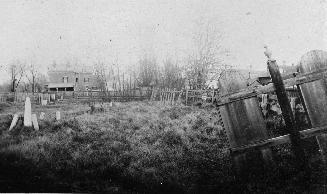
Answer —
(133, 147)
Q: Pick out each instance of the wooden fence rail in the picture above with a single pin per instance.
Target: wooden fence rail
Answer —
(279, 140)
(248, 93)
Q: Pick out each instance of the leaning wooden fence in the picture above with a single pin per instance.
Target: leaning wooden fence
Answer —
(243, 120)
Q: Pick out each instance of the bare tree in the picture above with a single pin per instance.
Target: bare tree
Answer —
(148, 72)
(207, 58)
(24, 87)
(32, 76)
(172, 74)
(100, 73)
(16, 71)
(41, 81)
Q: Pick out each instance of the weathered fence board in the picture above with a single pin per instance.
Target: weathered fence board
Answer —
(244, 124)
(315, 93)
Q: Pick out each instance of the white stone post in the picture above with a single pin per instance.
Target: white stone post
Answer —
(13, 122)
(57, 115)
(35, 123)
(28, 113)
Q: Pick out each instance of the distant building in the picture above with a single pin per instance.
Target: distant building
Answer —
(71, 81)
(222, 77)
(232, 80)
(286, 72)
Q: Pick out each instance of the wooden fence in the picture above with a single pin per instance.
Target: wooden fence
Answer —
(121, 96)
(244, 122)
(164, 96)
(240, 111)
(185, 96)
(20, 97)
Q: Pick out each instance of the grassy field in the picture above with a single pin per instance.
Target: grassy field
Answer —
(137, 147)
(131, 147)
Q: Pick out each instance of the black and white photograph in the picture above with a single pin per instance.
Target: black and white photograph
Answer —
(163, 96)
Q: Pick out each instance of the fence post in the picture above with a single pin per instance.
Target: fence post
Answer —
(287, 115)
(186, 96)
(179, 97)
(155, 94)
(141, 94)
(160, 96)
(174, 94)
(169, 97)
(164, 96)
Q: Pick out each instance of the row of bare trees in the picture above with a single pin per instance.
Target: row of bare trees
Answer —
(204, 63)
(168, 75)
(24, 78)
(147, 73)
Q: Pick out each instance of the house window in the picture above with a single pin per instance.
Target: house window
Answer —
(76, 79)
(65, 79)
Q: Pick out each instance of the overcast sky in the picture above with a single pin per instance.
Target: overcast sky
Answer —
(81, 31)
